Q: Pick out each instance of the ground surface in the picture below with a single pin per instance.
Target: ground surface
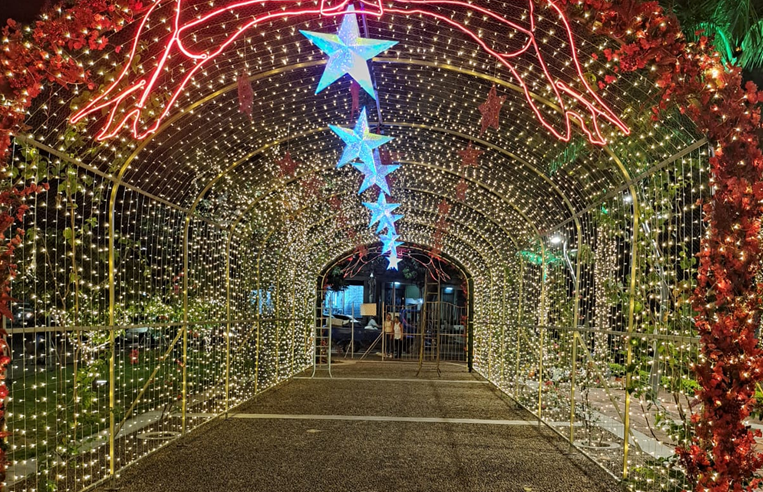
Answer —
(375, 427)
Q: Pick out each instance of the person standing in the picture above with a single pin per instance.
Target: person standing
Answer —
(398, 338)
(388, 335)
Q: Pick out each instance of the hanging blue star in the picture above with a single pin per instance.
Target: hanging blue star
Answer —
(381, 212)
(393, 261)
(348, 53)
(390, 242)
(375, 174)
(360, 141)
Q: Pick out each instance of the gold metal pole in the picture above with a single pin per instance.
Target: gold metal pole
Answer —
(184, 393)
(520, 326)
(227, 328)
(259, 325)
(112, 342)
(422, 325)
(503, 319)
(572, 385)
(292, 371)
(631, 323)
(541, 327)
(575, 323)
(276, 324)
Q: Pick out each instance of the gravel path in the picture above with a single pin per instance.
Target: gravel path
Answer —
(286, 455)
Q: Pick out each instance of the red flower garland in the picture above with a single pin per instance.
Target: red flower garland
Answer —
(722, 456)
(31, 57)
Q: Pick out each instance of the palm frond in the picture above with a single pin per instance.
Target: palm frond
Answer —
(752, 48)
(738, 16)
(690, 13)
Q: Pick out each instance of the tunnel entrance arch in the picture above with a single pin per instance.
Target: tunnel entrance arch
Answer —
(430, 296)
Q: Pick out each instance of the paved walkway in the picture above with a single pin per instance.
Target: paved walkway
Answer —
(374, 427)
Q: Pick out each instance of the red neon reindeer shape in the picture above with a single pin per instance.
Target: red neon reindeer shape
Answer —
(128, 105)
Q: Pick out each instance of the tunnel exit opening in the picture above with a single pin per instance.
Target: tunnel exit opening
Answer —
(359, 301)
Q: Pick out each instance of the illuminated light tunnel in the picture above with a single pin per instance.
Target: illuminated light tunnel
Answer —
(232, 161)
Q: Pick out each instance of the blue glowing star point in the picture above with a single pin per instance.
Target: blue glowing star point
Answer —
(348, 53)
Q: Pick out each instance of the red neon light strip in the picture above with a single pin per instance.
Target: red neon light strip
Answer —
(595, 108)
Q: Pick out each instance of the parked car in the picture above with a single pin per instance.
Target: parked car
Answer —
(342, 337)
(341, 320)
(342, 328)
(140, 336)
(23, 315)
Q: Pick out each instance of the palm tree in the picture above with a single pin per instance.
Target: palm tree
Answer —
(736, 26)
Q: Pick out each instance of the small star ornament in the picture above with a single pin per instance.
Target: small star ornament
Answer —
(381, 212)
(443, 208)
(390, 242)
(348, 53)
(490, 110)
(287, 165)
(470, 155)
(393, 261)
(360, 142)
(461, 189)
(245, 95)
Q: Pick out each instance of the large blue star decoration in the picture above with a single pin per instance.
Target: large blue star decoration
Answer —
(360, 142)
(390, 242)
(348, 53)
(381, 212)
(393, 261)
(375, 174)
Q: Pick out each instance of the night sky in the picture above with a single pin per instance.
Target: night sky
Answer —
(21, 10)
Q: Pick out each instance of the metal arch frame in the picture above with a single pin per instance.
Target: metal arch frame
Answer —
(486, 240)
(326, 219)
(111, 237)
(479, 184)
(465, 272)
(233, 230)
(421, 209)
(233, 227)
(422, 249)
(333, 230)
(331, 217)
(479, 213)
(409, 61)
(415, 246)
(472, 247)
(413, 62)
